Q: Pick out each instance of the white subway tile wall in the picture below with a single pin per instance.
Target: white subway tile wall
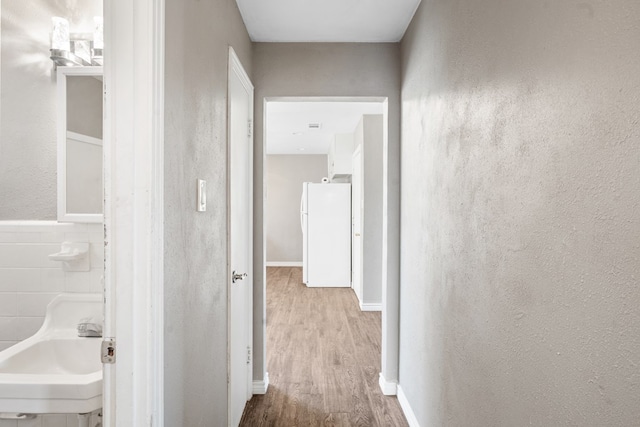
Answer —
(29, 281)
(52, 420)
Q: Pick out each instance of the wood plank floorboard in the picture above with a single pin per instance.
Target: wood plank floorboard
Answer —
(323, 359)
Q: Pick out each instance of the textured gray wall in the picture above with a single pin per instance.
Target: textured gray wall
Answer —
(285, 175)
(322, 69)
(28, 108)
(520, 301)
(198, 34)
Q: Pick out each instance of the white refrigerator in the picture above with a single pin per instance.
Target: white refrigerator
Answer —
(325, 217)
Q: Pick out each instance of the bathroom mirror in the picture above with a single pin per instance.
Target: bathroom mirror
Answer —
(80, 119)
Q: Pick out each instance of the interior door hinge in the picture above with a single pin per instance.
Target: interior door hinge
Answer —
(108, 351)
(248, 355)
(250, 130)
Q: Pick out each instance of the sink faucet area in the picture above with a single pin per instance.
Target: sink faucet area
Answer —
(57, 370)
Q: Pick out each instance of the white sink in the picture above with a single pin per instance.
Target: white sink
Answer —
(55, 371)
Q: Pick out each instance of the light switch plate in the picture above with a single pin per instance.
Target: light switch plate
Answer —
(202, 195)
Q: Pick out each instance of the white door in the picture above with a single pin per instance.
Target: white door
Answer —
(240, 110)
(357, 209)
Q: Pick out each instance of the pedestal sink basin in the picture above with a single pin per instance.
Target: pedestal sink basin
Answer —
(55, 371)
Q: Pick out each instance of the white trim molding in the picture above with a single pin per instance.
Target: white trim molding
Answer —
(367, 306)
(261, 386)
(84, 138)
(283, 263)
(406, 408)
(133, 388)
(28, 226)
(390, 235)
(389, 388)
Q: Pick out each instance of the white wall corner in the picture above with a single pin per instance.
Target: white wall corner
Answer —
(365, 306)
(389, 388)
(406, 408)
(261, 386)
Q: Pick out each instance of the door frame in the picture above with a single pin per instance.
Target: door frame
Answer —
(133, 389)
(235, 67)
(388, 380)
(357, 289)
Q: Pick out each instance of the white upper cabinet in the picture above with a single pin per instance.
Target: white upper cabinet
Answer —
(339, 158)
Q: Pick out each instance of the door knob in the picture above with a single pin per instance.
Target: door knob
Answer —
(237, 276)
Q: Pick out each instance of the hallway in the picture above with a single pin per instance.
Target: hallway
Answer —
(323, 359)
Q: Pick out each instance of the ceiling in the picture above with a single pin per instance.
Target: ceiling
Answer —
(357, 21)
(288, 129)
(327, 20)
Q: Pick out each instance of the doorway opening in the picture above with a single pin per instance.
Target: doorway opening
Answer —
(317, 141)
(293, 160)
(313, 140)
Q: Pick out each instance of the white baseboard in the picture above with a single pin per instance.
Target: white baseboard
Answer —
(365, 306)
(326, 286)
(389, 388)
(283, 263)
(261, 386)
(406, 408)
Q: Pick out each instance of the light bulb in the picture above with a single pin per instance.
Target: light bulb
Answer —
(60, 34)
(98, 33)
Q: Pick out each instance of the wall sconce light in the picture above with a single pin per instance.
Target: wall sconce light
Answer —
(79, 51)
(60, 43)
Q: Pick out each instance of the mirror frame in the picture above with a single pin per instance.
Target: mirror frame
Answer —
(62, 74)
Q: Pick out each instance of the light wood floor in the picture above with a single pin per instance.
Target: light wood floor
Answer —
(323, 359)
